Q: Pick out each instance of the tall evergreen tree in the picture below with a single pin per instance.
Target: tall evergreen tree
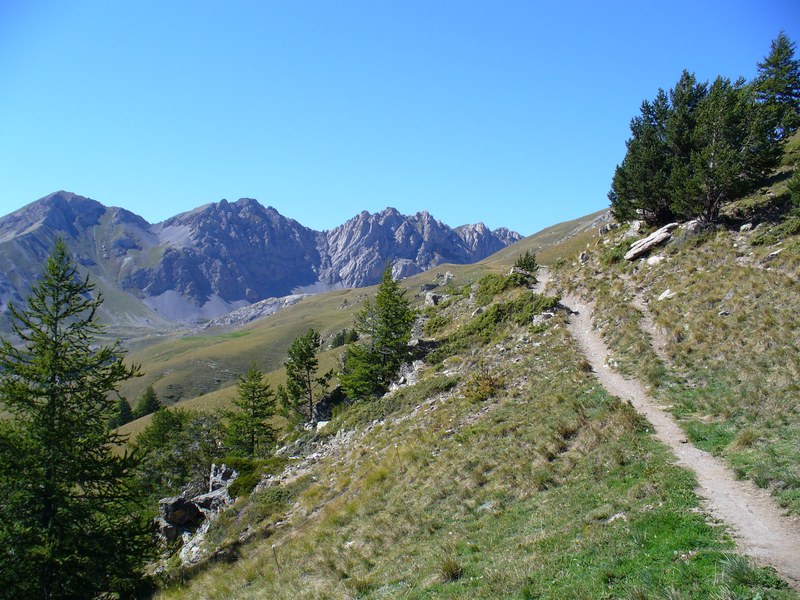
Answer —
(68, 519)
(148, 403)
(249, 431)
(733, 150)
(641, 183)
(369, 367)
(176, 449)
(123, 415)
(694, 149)
(778, 87)
(303, 385)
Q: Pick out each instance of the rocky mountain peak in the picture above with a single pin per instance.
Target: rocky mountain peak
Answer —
(225, 255)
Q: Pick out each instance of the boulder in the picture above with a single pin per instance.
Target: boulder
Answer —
(773, 255)
(634, 229)
(692, 226)
(523, 272)
(166, 531)
(642, 246)
(432, 299)
(213, 501)
(666, 294)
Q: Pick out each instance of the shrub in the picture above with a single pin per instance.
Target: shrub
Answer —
(482, 385)
(250, 472)
(244, 484)
(436, 323)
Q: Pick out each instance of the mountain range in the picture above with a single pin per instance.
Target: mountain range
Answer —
(223, 256)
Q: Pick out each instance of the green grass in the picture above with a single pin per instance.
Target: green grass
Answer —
(732, 343)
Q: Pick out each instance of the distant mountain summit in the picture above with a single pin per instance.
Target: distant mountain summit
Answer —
(223, 256)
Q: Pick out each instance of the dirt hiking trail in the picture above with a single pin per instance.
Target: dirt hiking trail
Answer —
(759, 527)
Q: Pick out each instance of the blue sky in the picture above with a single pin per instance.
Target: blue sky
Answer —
(510, 113)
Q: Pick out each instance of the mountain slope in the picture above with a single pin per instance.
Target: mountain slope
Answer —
(222, 256)
(506, 470)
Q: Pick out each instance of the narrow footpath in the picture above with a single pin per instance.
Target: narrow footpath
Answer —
(758, 525)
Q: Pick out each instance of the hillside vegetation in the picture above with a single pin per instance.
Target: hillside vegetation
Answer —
(507, 471)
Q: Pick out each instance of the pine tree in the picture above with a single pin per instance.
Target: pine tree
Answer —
(249, 432)
(68, 519)
(527, 262)
(303, 385)
(641, 184)
(123, 415)
(148, 403)
(177, 448)
(732, 149)
(392, 331)
(692, 150)
(369, 367)
(778, 87)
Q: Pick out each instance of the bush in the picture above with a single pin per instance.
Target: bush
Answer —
(250, 472)
(436, 323)
(486, 325)
(482, 385)
(772, 235)
(244, 484)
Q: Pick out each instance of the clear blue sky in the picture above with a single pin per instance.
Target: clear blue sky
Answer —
(510, 113)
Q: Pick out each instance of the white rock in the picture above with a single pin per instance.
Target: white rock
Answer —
(659, 236)
(666, 294)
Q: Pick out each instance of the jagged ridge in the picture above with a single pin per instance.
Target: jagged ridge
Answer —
(226, 255)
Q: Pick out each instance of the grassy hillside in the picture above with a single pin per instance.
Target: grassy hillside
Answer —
(508, 472)
(505, 472)
(722, 349)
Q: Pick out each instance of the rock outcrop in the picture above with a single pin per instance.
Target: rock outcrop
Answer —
(184, 521)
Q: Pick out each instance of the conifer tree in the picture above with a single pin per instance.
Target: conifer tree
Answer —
(148, 403)
(778, 87)
(68, 516)
(527, 262)
(303, 385)
(124, 414)
(369, 367)
(249, 432)
(733, 150)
